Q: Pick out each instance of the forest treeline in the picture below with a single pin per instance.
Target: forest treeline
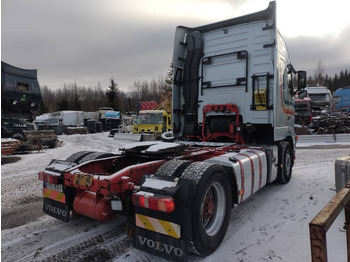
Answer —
(80, 98)
(75, 97)
(333, 83)
(320, 78)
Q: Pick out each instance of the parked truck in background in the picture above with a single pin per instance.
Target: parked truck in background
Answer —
(152, 122)
(303, 113)
(103, 110)
(20, 100)
(233, 126)
(321, 99)
(342, 99)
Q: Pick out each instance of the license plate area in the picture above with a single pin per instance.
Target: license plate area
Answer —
(58, 187)
(54, 192)
(56, 209)
(57, 201)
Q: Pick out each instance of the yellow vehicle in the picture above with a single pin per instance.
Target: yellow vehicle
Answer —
(154, 122)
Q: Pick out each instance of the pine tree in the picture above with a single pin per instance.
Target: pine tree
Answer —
(76, 103)
(76, 100)
(62, 105)
(111, 94)
(43, 108)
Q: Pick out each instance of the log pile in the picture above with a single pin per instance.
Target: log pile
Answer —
(9, 146)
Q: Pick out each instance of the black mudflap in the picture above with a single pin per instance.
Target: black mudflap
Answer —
(165, 234)
(56, 209)
(161, 245)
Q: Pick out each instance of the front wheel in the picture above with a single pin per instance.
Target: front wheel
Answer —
(285, 162)
(211, 205)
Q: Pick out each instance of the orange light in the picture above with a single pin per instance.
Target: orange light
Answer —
(48, 178)
(163, 204)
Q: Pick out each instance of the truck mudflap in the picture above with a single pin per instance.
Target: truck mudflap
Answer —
(57, 201)
(161, 245)
(56, 209)
(57, 198)
(162, 227)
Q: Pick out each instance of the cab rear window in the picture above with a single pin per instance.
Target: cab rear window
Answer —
(23, 87)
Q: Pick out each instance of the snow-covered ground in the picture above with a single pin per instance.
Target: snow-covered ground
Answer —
(272, 225)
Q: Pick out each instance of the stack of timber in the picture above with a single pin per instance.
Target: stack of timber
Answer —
(37, 140)
(9, 146)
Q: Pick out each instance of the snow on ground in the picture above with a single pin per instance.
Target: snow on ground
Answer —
(272, 225)
(19, 180)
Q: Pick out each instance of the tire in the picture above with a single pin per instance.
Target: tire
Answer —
(168, 137)
(173, 168)
(95, 155)
(211, 207)
(76, 157)
(285, 163)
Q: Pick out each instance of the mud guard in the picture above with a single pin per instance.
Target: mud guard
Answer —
(57, 199)
(154, 235)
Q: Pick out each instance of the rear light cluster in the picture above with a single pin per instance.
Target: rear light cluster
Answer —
(163, 204)
(48, 178)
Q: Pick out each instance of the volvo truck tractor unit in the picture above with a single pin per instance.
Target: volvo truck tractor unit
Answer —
(233, 133)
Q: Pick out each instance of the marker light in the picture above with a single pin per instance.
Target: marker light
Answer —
(48, 178)
(163, 204)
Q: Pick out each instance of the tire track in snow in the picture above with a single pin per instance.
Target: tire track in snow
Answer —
(103, 246)
(77, 240)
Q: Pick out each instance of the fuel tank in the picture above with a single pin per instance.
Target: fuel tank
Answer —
(93, 205)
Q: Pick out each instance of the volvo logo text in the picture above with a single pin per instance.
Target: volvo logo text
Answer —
(160, 246)
(55, 210)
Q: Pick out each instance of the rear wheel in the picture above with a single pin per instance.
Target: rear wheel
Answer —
(211, 205)
(173, 168)
(76, 157)
(95, 155)
(285, 162)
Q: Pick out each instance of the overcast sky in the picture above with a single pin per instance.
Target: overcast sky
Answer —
(89, 41)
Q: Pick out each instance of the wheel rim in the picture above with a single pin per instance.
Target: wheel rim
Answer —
(213, 209)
